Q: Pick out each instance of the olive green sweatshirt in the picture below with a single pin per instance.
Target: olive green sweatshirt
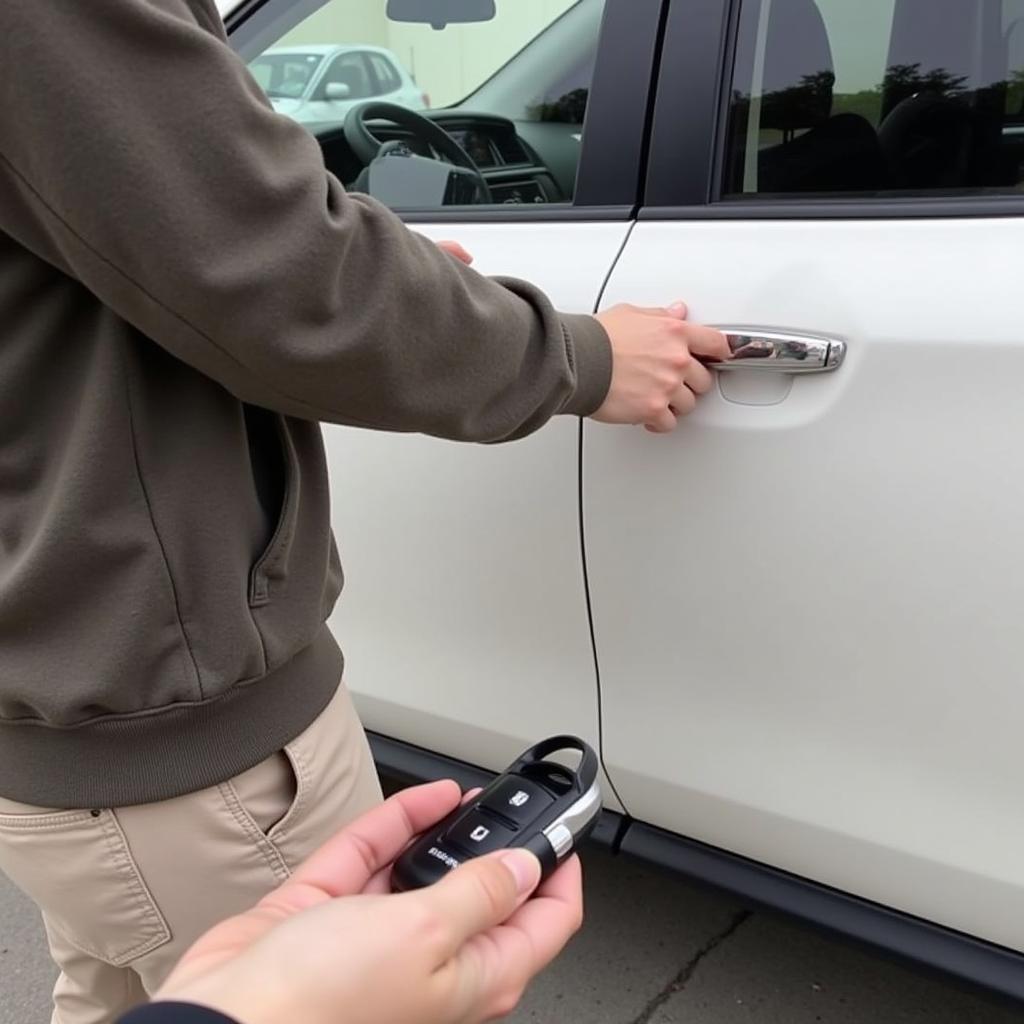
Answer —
(185, 293)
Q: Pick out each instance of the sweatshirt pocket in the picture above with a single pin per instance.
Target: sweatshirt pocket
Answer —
(272, 565)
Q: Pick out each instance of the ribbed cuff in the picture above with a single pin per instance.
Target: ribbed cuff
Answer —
(591, 354)
(144, 758)
(175, 1013)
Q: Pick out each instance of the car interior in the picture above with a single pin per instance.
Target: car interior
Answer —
(947, 113)
(525, 150)
(948, 104)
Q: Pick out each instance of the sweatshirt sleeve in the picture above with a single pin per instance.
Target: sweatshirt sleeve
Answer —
(139, 156)
(174, 1013)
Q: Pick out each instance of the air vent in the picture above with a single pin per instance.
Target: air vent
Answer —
(511, 149)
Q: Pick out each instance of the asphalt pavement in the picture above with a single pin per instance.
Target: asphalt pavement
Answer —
(654, 950)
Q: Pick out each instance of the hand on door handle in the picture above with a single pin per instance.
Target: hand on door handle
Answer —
(781, 353)
(658, 365)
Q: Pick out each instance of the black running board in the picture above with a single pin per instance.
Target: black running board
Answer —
(915, 942)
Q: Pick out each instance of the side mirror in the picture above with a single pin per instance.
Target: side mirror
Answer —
(439, 13)
(337, 91)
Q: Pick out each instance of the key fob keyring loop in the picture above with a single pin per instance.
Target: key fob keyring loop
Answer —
(585, 774)
(534, 804)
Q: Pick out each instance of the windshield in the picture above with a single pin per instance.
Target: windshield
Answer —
(509, 94)
(285, 75)
(446, 65)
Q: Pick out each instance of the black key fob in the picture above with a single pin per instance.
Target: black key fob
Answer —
(540, 805)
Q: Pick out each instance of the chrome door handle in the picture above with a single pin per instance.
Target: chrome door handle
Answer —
(781, 353)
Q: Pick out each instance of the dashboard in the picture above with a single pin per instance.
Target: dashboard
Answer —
(514, 172)
(475, 141)
(479, 145)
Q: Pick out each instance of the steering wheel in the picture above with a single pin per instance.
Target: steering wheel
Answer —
(367, 148)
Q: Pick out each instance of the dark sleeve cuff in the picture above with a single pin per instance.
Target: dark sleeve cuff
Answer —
(175, 1013)
(591, 355)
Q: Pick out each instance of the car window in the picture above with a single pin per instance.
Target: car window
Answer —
(387, 77)
(877, 97)
(1013, 30)
(351, 71)
(285, 75)
(508, 93)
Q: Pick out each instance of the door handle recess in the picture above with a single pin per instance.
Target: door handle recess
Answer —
(781, 353)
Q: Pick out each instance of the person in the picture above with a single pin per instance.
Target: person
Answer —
(458, 952)
(186, 295)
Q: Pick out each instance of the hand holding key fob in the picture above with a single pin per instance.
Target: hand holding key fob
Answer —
(536, 804)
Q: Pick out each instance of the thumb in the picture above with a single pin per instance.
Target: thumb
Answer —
(457, 250)
(481, 894)
(678, 310)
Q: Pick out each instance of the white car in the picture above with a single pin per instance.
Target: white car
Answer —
(318, 85)
(793, 628)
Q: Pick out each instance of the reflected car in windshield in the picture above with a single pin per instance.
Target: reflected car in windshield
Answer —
(319, 85)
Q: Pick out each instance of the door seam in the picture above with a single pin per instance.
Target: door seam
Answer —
(584, 565)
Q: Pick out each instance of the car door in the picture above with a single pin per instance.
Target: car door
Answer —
(389, 86)
(464, 617)
(352, 71)
(806, 602)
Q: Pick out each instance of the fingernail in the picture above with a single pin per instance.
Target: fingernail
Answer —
(677, 307)
(525, 869)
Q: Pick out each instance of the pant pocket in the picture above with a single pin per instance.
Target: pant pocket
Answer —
(268, 793)
(78, 868)
(337, 780)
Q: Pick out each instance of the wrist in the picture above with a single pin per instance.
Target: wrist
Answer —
(234, 1000)
(590, 350)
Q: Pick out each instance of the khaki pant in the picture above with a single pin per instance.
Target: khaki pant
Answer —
(125, 892)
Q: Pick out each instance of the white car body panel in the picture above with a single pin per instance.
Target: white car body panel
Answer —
(808, 613)
(805, 601)
(464, 619)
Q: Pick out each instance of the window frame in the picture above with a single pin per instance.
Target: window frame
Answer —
(688, 141)
(609, 183)
(372, 56)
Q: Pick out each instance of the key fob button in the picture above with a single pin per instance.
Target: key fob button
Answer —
(518, 800)
(536, 804)
(478, 834)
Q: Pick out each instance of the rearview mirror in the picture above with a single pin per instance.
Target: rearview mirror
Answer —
(439, 13)
(337, 91)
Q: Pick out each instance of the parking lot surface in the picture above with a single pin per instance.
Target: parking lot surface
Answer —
(654, 950)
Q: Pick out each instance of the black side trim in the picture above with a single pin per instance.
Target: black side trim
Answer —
(910, 939)
(408, 765)
(843, 209)
(994, 969)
